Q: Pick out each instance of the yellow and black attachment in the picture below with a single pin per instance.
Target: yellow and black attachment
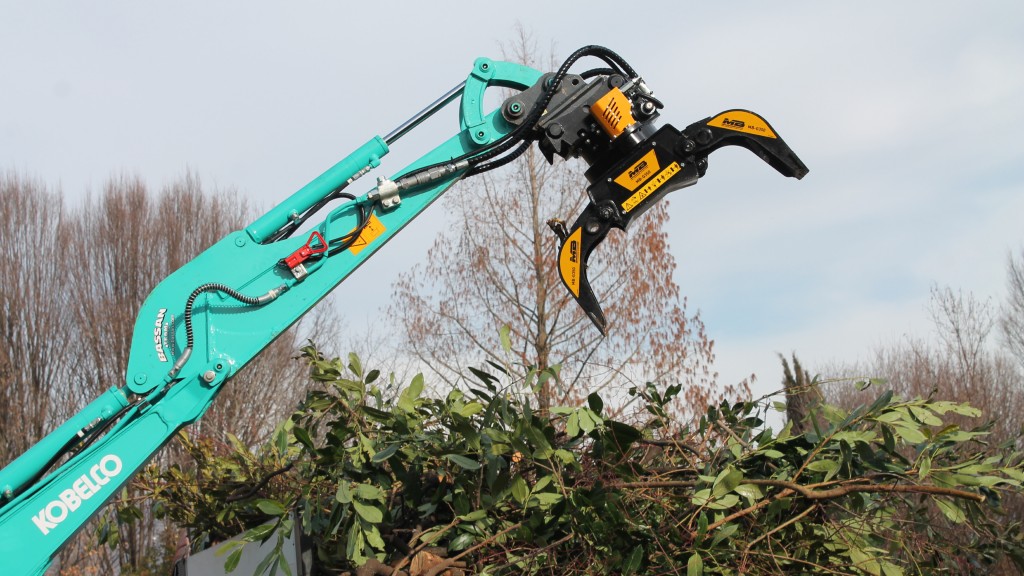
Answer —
(606, 116)
(627, 184)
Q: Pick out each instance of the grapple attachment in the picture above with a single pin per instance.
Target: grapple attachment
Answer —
(608, 122)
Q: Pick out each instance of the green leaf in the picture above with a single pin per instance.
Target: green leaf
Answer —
(407, 399)
(461, 542)
(749, 491)
(572, 425)
(695, 566)
(462, 461)
(268, 560)
(723, 533)
(368, 512)
(282, 561)
(623, 435)
(474, 516)
(545, 499)
(633, 561)
(925, 467)
(471, 409)
(344, 495)
(506, 341)
(883, 400)
(302, 436)
(910, 435)
(259, 533)
(727, 501)
(354, 365)
(701, 497)
(520, 490)
(232, 562)
(726, 482)
(384, 454)
(271, 507)
(587, 423)
(369, 492)
(865, 562)
(542, 483)
(925, 416)
(890, 569)
(565, 456)
(373, 538)
(953, 512)
(829, 467)
(354, 545)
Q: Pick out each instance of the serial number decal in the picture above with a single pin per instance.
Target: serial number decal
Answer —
(374, 228)
(649, 188)
(743, 121)
(569, 262)
(639, 172)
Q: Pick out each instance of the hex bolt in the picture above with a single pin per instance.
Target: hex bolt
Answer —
(605, 212)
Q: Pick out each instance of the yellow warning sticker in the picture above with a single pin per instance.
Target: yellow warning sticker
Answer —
(569, 262)
(639, 172)
(651, 186)
(743, 121)
(374, 228)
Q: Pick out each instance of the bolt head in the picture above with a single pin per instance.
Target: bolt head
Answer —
(209, 376)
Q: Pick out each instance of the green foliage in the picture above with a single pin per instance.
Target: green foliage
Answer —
(378, 473)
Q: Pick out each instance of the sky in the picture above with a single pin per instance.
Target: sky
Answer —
(907, 114)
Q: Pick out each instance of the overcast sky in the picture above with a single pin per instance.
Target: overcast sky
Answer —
(909, 116)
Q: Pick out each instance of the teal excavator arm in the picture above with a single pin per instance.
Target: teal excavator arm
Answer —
(211, 317)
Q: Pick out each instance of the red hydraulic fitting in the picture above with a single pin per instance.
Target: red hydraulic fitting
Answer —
(304, 253)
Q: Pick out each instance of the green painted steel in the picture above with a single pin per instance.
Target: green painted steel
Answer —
(23, 470)
(366, 157)
(228, 333)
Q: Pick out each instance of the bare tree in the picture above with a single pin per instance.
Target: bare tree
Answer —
(73, 281)
(496, 266)
(963, 324)
(35, 365)
(964, 366)
(1012, 319)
